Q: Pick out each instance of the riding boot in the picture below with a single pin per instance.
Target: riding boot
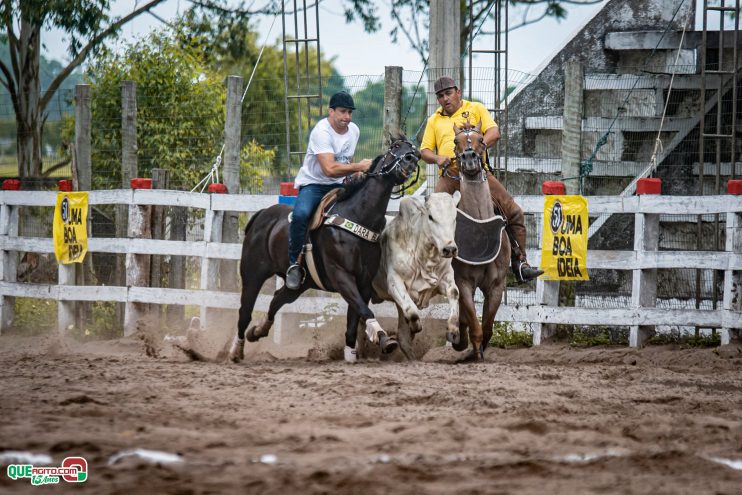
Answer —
(295, 274)
(505, 204)
(518, 262)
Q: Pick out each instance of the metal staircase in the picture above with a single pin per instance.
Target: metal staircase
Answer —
(303, 88)
(500, 52)
(725, 69)
(718, 129)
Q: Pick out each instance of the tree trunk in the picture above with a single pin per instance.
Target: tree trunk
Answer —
(28, 117)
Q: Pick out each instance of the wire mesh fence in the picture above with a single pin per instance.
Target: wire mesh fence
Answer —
(632, 123)
(641, 121)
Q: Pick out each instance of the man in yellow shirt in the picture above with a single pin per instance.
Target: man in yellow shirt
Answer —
(438, 147)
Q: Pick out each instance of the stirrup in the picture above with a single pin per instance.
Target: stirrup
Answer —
(526, 272)
(295, 276)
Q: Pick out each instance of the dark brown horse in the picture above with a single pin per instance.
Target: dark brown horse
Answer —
(487, 269)
(346, 263)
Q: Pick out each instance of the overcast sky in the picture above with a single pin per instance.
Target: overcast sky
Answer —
(357, 52)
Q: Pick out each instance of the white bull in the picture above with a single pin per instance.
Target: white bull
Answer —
(417, 247)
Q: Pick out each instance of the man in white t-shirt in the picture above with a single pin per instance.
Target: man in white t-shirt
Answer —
(329, 159)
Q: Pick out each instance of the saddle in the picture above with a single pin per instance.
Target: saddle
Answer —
(322, 217)
(325, 204)
(478, 241)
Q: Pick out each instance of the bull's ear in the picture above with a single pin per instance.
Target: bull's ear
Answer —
(409, 207)
(456, 197)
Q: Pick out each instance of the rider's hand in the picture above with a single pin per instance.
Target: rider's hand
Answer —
(442, 161)
(353, 178)
(365, 164)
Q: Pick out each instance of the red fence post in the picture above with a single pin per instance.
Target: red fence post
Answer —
(11, 185)
(553, 188)
(137, 265)
(734, 186)
(644, 281)
(648, 185)
(547, 291)
(65, 185)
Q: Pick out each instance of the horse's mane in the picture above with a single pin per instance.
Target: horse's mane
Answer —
(351, 186)
(354, 184)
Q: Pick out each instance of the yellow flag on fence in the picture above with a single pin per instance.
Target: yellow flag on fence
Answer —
(564, 239)
(71, 227)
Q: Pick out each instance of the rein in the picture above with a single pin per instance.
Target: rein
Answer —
(358, 229)
(396, 165)
(388, 169)
(409, 186)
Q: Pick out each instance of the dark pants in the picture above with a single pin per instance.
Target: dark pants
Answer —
(505, 204)
(307, 201)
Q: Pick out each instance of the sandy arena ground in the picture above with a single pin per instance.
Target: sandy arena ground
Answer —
(551, 420)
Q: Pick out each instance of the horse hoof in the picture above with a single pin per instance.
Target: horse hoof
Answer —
(415, 325)
(461, 345)
(350, 355)
(473, 356)
(237, 352)
(453, 338)
(250, 335)
(387, 344)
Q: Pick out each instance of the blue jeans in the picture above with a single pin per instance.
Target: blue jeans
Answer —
(307, 201)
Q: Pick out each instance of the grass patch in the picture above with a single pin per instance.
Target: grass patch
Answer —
(34, 316)
(685, 339)
(104, 323)
(504, 338)
(39, 316)
(592, 336)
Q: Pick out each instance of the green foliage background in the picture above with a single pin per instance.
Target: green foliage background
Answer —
(180, 111)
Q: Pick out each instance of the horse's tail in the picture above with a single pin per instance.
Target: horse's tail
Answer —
(252, 219)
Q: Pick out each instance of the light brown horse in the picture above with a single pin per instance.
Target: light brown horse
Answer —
(487, 269)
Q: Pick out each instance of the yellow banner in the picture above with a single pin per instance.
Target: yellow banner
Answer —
(71, 227)
(564, 246)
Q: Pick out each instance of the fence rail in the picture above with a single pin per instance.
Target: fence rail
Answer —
(641, 314)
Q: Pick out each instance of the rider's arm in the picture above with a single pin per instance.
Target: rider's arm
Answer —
(331, 168)
(428, 145)
(429, 156)
(487, 124)
(491, 136)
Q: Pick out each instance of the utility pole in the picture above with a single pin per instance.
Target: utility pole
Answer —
(445, 44)
(445, 52)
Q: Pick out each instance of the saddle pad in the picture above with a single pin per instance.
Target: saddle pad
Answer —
(478, 240)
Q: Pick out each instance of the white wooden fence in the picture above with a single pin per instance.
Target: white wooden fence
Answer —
(643, 261)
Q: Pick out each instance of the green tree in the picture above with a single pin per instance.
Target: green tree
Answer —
(180, 110)
(86, 25)
(369, 115)
(231, 46)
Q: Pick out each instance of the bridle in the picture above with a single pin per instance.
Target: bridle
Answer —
(396, 164)
(469, 153)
